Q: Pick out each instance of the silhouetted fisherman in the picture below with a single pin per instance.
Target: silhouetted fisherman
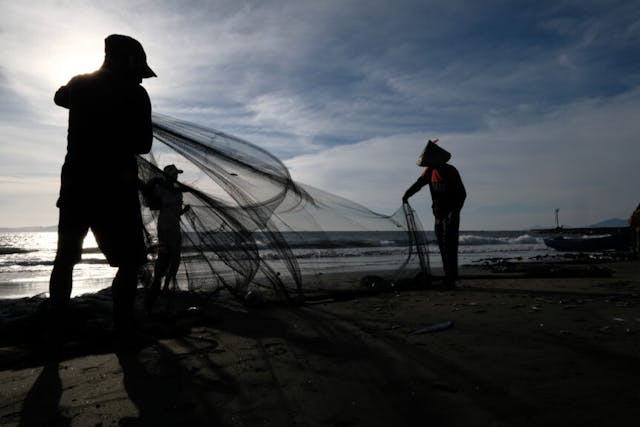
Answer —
(109, 123)
(448, 195)
(634, 223)
(168, 193)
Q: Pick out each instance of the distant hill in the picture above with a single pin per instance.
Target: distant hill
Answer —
(607, 223)
(613, 222)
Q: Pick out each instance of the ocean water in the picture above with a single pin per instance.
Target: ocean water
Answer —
(26, 258)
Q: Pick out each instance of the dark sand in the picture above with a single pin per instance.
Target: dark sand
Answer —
(522, 351)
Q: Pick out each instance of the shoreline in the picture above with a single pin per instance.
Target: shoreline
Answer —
(519, 351)
(27, 284)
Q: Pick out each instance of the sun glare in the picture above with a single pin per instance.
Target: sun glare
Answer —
(73, 64)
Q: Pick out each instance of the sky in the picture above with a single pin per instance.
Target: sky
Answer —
(538, 101)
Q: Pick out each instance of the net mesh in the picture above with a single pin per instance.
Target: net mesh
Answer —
(250, 226)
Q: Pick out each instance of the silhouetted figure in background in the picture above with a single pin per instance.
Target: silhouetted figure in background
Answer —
(448, 195)
(109, 123)
(168, 193)
(634, 222)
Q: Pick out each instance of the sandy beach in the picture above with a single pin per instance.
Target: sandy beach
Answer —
(544, 346)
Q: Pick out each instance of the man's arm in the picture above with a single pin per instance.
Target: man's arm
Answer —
(61, 98)
(420, 182)
(137, 131)
(143, 137)
(459, 193)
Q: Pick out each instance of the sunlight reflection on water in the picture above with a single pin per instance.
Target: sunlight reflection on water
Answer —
(27, 260)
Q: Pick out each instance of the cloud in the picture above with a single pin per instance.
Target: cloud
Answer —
(581, 158)
(355, 86)
(28, 146)
(326, 73)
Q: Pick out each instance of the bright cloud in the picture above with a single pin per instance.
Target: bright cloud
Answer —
(580, 158)
(346, 91)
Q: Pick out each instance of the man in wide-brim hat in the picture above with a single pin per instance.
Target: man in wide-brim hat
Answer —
(448, 195)
(109, 123)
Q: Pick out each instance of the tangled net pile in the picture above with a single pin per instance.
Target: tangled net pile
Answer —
(251, 226)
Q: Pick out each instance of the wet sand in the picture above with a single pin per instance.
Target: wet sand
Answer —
(522, 350)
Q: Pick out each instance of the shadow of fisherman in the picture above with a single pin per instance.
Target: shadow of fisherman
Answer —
(109, 123)
(448, 195)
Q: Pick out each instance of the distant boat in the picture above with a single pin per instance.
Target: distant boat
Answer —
(618, 240)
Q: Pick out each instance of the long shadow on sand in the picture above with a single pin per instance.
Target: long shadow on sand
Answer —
(382, 382)
(41, 405)
(164, 392)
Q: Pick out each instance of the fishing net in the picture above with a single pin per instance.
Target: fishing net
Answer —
(251, 227)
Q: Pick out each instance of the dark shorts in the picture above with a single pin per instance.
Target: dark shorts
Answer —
(118, 232)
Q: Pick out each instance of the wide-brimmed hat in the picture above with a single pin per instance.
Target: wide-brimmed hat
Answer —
(172, 169)
(433, 154)
(118, 45)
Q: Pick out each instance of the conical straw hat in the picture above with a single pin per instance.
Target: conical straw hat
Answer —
(433, 154)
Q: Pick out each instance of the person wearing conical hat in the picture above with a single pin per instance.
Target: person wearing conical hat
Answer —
(448, 195)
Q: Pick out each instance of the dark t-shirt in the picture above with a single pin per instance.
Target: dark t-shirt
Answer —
(447, 191)
(109, 122)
